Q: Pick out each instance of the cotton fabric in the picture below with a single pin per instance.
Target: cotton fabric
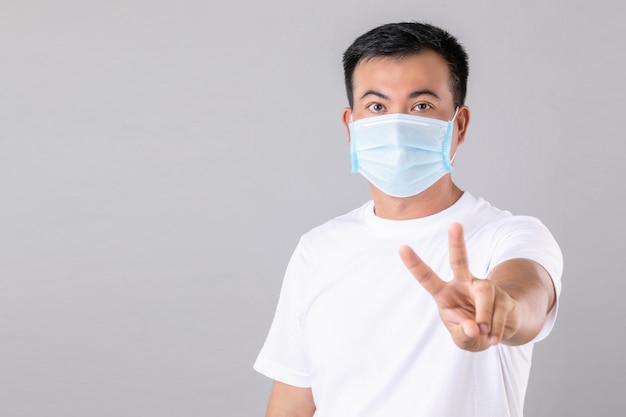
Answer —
(355, 326)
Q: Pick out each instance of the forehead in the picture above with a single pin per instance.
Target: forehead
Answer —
(426, 69)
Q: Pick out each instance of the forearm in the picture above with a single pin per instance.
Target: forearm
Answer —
(531, 287)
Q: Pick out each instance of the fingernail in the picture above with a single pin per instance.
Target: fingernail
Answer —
(484, 329)
(493, 340)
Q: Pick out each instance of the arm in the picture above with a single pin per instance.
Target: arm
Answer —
(289, 401)
(510, 306)
(530, 287)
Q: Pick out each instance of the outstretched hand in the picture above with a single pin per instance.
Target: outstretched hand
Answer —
(477, 312)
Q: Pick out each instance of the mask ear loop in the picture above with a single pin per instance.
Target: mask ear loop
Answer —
(456, 112)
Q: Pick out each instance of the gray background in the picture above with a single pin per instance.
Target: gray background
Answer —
(159, 161)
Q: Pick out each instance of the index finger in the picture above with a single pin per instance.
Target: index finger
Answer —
(422, 272)
(458, 253)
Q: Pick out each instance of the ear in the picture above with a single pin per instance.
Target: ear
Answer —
(345, 119)
(462, 122)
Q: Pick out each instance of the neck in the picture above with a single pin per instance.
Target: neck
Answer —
(438, 197)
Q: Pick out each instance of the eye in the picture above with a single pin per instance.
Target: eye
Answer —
(422, 107)
(376, 107)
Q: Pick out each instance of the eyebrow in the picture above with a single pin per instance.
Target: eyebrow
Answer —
(374, 93)
(426, 92)
(414, 94)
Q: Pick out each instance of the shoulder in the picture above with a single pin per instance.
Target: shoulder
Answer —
(339, 228)
(481, 215)
(325, 246)
(506, 236)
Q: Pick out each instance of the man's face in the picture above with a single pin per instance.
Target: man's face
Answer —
(418, 84)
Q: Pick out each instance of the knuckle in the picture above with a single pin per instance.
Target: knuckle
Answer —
(459, 262)
(427, 275)
(483, 286)
(504, 303)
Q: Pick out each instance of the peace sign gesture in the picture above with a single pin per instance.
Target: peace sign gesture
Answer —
(477, 312)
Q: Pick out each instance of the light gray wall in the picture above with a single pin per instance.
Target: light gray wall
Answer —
(159, 160)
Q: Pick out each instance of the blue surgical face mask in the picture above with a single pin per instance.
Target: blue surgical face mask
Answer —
(401, 154)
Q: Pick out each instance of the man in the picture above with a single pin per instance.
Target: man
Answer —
(426, 301)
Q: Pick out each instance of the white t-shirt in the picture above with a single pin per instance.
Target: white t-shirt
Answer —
(355, 326)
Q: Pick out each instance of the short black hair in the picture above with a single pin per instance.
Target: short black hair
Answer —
(404, 39)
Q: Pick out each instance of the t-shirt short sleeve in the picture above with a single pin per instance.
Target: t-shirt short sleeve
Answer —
(526, 237)
(283, 357)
